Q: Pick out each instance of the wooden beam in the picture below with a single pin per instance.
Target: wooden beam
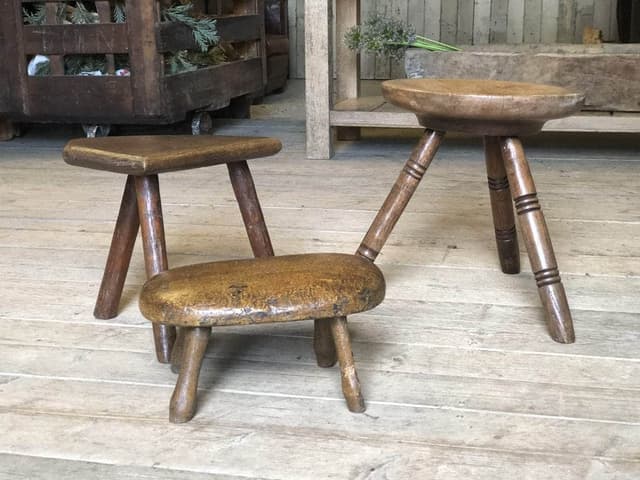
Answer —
(319, 77)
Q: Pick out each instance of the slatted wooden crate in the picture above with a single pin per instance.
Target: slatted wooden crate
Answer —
(149, 94)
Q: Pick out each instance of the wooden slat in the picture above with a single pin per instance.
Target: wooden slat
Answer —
(567, 21)
(584, 18)
(81, 92)
(515, 21)
(146, 63)
(550, 11)
(499, 17)
(195, 90)
(75, 39)
(532, 21)
(465, 28)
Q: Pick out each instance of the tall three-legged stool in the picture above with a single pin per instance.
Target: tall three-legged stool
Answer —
(500, 112)
(142, 158)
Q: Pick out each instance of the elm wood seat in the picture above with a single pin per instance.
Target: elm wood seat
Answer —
(142, 158)
(324, 287)
(500, 112)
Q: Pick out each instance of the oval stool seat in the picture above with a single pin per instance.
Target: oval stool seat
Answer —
(149, 154)
(486, 107)
(263, 290)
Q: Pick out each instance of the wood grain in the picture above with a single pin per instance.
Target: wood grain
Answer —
(457, 354)
(122, 242)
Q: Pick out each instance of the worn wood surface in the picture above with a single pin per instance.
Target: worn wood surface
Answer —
(120, 251)
(479, 23)
(482, 107)
(460, 377)
(608, 75)
(265, 290)
(153, 154)
(501, 207)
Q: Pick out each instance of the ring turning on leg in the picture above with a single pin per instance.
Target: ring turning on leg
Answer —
(501, 207)
(538, 243)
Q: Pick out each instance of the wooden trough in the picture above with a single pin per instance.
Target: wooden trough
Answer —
(608, 74)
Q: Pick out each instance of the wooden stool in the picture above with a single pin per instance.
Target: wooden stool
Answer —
(325, 287)
(142, 158)
(500, 112)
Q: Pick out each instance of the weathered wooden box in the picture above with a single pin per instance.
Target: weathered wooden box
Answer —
(608, 74)
(149, 94)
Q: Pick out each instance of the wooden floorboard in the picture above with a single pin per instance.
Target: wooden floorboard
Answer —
(460, 376)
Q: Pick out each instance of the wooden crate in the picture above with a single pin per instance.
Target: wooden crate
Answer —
(149, 94)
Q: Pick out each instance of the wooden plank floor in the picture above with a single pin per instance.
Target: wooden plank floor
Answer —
(460, 377)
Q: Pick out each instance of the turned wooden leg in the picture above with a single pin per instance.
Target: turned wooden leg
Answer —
(155, 251)
(185, 396)
(400, 195)
(323, 343)
(501, 207)
(247, 198)
(350, 382)
(537, 241)
(177, 351)
(122, 242)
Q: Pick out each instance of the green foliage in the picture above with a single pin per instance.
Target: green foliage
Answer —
(81, 14)
(34, 15)
(119, 12)
(204, 29)
(385, 36)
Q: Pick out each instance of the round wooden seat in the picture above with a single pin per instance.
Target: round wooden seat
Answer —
(484, 107)
(263, 290)
(147, 155)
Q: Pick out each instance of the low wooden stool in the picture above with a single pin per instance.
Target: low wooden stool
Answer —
(325, 287)
(500, 112)
(142, 158)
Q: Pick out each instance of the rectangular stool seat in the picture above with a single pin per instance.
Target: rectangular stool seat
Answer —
(147, 155)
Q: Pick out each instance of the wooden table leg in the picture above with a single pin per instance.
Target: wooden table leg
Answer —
(124, 238)
(400, 195)
(155, 251)
(185, 395)
(537, 241)
(350, 382)
(247, 198)
(501, 207)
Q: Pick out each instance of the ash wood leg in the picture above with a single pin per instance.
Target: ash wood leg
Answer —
(501, 207)
(537, 241)
(400, 194)
(155, 251)
(247, 198)
(184, 398)
(350, 382)
(177, 351)
(323, 344)
(124, 238)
